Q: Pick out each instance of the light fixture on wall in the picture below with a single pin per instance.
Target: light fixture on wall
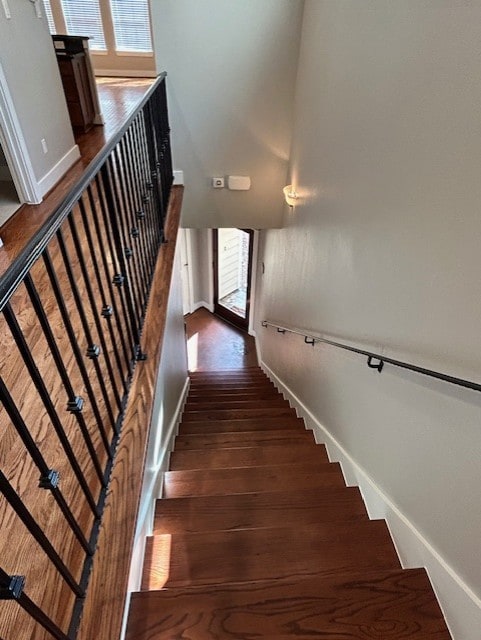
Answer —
(290, 195)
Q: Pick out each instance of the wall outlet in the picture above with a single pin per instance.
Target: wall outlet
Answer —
(44, 145)
(218, 183)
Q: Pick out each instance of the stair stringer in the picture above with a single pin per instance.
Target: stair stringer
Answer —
(151, 491)
(460, 605)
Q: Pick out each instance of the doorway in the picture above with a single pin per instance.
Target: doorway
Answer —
(9, 200)
(232, 274)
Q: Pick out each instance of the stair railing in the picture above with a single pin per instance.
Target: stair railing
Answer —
(72, 310)
(374, 360)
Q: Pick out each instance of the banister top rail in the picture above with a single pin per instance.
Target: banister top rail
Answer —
(16, 272)
(381, 359)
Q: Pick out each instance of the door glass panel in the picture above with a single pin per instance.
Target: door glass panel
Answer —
(233, 266)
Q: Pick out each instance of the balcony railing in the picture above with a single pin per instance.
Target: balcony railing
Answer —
(73, 306)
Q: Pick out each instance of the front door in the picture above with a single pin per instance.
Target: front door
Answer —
(232, 274)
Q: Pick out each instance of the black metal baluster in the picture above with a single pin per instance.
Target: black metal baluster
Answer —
(100, 283)
(48, 478)
(83, 319)
(138, 248)
(146, 195)
(47, 402)
(36, 531)
(93, 305)
(111, 210)
(153, 214)
(152, 154)
(86, 223)
(72, 339)
(121, 318)
(122, 237)
(144, 199)
(12, 588)
(131, 262)
(158, 114)
(141, 217)
(168, 174)
(56, 355)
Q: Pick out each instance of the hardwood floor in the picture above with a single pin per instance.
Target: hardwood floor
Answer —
(257, 536)
(213, 344)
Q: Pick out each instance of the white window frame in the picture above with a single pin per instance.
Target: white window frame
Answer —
(111, 62)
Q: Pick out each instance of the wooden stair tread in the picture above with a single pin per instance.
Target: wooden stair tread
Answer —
(178, 484)
(375, 605)
(268, 392)
(216, 557)
(244, 424)
(227, 377)
(273, 437)
(217, 403)
(248, 456)
(239, 414)
(251, 510)
(247, 385)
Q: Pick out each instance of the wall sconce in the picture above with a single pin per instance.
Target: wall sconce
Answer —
(290, 195)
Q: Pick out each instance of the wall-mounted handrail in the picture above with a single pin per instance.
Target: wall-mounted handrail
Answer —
(381, 360)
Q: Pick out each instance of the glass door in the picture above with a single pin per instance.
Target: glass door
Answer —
(232, 274)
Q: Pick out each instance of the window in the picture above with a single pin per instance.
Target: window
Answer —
(48, 12)
(131, 25)
(84, 19)
(119, 32)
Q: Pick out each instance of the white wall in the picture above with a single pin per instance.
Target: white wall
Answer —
(231, 68)
(383, 251)
(170, 389)
(201, 265)
(30, 67)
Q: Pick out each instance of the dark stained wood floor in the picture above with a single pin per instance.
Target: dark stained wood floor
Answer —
(214, 344)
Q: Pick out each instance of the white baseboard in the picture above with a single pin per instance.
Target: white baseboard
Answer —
(59, 170)
(150, 493)
(460, 605)
(202, 303)
(119, 73)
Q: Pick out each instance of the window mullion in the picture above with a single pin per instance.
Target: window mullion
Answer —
(108, 26)
(58, 17)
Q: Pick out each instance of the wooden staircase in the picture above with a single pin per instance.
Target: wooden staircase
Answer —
(257, 535)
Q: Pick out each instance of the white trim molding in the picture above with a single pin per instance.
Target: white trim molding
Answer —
(15, 149)
(150, 493)
(202, 304)
(51, 178)
(125, 73)
(461, 607)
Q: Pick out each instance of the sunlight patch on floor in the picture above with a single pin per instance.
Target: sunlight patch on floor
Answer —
(193, 352)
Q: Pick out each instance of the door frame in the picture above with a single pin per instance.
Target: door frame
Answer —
(15, 149)
(186, 266)
(223, 312)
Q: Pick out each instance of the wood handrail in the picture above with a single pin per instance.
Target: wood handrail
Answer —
(104, 605)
